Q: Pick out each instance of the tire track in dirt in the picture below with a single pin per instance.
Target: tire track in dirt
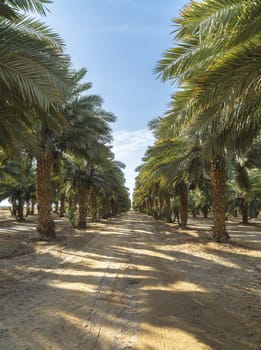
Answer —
(107, 291)
(183, 311)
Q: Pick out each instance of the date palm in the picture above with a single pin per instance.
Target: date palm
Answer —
(245, 167)
(17, 183)
(85, 132)
(174, 165)
(34, 74)
(32, 62)
(216, 65)
(81, 176)
(112, 191)
(10, 8)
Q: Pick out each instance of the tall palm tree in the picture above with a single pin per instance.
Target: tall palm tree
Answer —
(33, 67)
(85, 132)
(175, 165)
(34, 80)
(219, 98)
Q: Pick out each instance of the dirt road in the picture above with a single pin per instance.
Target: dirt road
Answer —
(132, 283)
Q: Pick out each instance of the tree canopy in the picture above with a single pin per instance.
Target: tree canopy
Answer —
(215, 63)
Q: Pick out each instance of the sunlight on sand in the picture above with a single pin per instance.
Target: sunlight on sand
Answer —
(185, 286)
(179, 286)
(79, 287)
(211, 258)
(73, 319)
(150, 252)
(159, 338)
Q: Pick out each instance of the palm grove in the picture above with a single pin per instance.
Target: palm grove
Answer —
(207, 151)
(55, 136)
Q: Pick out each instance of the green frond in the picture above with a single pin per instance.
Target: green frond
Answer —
(7, 12)
(31, 68)
(38, 30)
(37, 6)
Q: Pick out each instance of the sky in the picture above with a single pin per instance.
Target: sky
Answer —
(120, 43)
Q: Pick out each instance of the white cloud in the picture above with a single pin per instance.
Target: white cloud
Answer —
(129, 147)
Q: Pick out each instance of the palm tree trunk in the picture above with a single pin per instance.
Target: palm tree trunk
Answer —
(105, 208)
(46, 227)
(98, 208)
(167, 207)
(93, 205)
(113, 207)
(56, 204)
(244, 212)
(20, 208)
(149, 206)
(156, 208)
(62, 205)
(161, 206)
(218, 187)
(205, 211)
(71, 210)
(32, 207)
(82, 212)
(183, 197)
(27, 208)
(14, 209)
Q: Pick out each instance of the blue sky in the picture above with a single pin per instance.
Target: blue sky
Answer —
(120, 42)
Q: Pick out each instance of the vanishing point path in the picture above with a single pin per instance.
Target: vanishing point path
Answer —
(130, 284)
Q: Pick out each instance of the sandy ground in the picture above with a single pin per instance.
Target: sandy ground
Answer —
(130, 283)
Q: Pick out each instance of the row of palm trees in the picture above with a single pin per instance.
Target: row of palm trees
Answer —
(55, 135)
(211, 131)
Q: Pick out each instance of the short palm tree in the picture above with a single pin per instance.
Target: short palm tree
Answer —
(17, 183)
(81, 178)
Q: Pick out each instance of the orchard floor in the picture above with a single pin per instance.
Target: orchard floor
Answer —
(130, 283)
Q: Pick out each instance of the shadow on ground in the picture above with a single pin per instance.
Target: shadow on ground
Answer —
(129, 283)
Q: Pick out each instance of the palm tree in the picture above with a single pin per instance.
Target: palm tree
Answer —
(217, 97)
(33, 66)
(34, 80)
(17, 183)
(46, 227)
(176, 166)
(81, 177)
(85, 132)
(200, 198)
(85, 177)
(34, 73)
(113, 194)
(9, 9)
(243, 183)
